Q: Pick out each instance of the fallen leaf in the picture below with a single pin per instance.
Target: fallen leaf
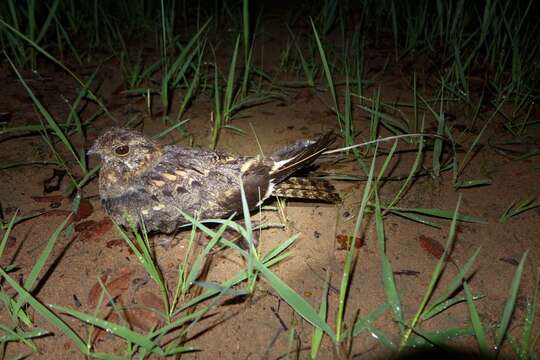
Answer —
(85, 210)
(343, 242)
(92, 230)
(95, 291)
(116, 286)
(151, 300)
(119, 284)
(141, 318)
(431, 246)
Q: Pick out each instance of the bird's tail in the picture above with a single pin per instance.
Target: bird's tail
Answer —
(304, 188)
(300, 154)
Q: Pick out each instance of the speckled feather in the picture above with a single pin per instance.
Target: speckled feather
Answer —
(140, 178)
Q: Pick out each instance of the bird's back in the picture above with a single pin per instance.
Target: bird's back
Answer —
(198, 182)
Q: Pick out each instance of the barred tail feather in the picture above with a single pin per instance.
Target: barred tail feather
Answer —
(302, 188)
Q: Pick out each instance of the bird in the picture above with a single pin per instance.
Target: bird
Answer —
(143, 183)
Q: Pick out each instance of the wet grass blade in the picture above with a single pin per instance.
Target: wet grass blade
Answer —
(316, 338)
(479, 331)
(46, 313)
(47, 116)
(519, 207)
(452, 287)
(91, 95)
(414, 218)
(7, 231)
(347, 268)
(326, 70)
(113, 328)
(439, 338)
(437, 272)
(442, 214)
(510, 304)
(527, 346)
(280, 248)
(201, 258)
(23, 337)
(300, 306)
(39, 264)
(472, 183)
(389, 284)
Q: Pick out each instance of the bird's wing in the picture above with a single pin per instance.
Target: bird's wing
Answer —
(298, 155)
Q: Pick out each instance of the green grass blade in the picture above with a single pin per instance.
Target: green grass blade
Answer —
(280, 248)
(414, 217)
(389, 284)
(527, 346)
(442, 214)
(444, 305)
(52, 123)
(301, 306)
(364, 323)
(201, 258)
(316, 338)
(38, 266)
(437, 272)
(327, 71)
(46, 313)
(7, 231)
(439, 338)
(476, 323)
(457, 281)
(116, 329)
(510, 303)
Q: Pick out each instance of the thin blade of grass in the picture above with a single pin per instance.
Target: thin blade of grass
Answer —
(46, 313)
(510, 303)
(300, 306)
(316, 338)
(526, 347)
(52, 123)
(439, 338)
(389, 284)
(442, 214)
(479, 331)
(113, 328)
(38, 266)
(434, 278)
(456, 282)
(7, 231)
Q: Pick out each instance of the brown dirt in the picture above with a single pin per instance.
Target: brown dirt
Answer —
(260, 326)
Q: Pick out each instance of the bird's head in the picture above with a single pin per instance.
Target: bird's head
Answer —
(125, 149)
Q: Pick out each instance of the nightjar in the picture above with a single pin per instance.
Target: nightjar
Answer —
(141, 179)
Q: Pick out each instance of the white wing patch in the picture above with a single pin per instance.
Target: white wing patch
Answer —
(278, 164)
(268, 193)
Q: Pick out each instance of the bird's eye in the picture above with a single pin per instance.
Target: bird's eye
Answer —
(121, 150)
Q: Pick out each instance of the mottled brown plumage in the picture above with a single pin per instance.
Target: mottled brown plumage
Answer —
(141, 179)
